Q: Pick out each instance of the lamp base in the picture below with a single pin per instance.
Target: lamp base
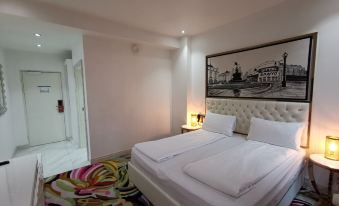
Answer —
(331, 158)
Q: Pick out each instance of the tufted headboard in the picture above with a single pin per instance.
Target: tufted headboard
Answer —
(244, 110)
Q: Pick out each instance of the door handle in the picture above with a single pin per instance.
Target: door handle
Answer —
(61, 107)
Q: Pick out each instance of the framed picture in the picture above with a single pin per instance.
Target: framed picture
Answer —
(281, 70)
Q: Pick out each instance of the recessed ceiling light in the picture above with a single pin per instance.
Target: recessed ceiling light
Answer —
(183, 31)
(37, 35)
(38, 45)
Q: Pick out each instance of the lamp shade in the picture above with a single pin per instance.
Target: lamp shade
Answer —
(332, 148)
(194, 120)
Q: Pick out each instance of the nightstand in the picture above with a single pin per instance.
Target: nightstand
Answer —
(321, 161)
(187, 128)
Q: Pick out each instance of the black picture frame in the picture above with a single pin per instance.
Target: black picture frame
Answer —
(293, 77)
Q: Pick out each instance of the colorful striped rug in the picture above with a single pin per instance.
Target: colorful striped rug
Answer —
(303, 200)
(107, 184)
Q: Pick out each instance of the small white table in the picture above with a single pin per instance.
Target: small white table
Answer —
(188, 128)
(321, 161)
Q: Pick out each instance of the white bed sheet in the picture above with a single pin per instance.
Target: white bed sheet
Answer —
(167, 148)
(156, 168)
(188, 191)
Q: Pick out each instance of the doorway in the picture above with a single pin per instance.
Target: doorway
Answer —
(49, 131)
(44, 107)
(43, 95)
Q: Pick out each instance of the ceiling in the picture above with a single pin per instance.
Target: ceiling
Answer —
(168, 17)
(17, 33)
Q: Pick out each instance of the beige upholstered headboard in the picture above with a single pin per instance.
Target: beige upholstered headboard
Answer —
(244, 110)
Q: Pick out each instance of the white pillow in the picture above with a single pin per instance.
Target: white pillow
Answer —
(218, 123)
(283, 134)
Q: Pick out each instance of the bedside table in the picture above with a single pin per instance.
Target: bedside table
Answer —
(321, 161)
(187, 128)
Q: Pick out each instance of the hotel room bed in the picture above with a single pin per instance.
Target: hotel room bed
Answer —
(166, 183)
(188, 191)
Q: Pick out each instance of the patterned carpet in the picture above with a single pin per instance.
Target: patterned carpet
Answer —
(107, 184)
(307, 197)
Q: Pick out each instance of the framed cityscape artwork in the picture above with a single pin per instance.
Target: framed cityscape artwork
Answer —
(281, 70)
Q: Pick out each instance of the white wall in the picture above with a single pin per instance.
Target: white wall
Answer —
(180, 82)
(291, 18)
(129, 95)
(7, 142)
(78, 51)
(17, 61)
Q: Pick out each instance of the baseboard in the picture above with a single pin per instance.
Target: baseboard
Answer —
(22, 147)
(111, 156)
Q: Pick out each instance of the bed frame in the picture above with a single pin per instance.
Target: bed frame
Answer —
(244, 110)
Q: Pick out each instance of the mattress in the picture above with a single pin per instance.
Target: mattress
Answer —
(188, 191)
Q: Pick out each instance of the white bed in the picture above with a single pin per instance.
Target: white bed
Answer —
(165, 183)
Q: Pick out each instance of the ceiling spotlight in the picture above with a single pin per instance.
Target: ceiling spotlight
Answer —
(37, 35)
(183, 31)
(38, 45)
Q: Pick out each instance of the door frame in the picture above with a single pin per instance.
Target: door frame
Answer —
(88, 138)
(25, 102)
(80, 65)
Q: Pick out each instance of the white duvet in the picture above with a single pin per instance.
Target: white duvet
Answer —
(235, 171)
(163, 149)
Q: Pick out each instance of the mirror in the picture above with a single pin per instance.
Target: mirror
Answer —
(2, 93)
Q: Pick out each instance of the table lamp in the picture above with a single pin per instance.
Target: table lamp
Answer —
(194, 120)
(332, 148)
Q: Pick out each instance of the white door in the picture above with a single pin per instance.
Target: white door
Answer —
(79, 83)
(43, 95)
